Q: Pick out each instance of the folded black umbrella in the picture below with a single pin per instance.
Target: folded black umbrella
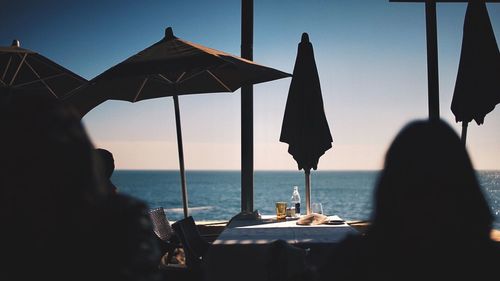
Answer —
(305, 127)
(477, 89)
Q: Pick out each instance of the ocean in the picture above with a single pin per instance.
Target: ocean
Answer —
(215, 195)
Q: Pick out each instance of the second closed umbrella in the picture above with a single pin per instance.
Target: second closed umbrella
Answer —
(305, 127)
(477, 89)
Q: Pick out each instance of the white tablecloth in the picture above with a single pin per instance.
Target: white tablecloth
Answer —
(239, 253)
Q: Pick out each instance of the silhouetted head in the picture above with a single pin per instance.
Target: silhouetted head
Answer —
(107, 166)
(429, 187)
(107, 161)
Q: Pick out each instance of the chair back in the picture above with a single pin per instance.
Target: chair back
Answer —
(286, 262)
(161, 225)
(195, 246)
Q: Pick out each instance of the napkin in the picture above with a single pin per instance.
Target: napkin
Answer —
(312, 219)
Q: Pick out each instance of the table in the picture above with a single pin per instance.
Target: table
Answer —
(241, 250)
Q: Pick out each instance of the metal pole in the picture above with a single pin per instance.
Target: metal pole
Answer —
(247, 111)
(308, 191)
(432, 59)
(464, 132)
(181, 156)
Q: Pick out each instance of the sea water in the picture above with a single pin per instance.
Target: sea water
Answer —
(216, 195)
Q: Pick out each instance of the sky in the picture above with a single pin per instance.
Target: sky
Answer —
(370, 54)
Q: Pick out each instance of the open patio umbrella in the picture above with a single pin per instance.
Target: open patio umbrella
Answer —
(477, 89)
(23, 71)
(305, 127)
(171, 67)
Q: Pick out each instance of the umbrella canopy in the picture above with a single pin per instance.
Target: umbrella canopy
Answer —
(305, 127)
(477, 89)
(23, 70)
(171, 67)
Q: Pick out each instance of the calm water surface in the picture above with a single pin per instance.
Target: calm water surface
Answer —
(215, 195)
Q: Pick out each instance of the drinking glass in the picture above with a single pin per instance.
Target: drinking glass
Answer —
(281, 210)
(317, 208)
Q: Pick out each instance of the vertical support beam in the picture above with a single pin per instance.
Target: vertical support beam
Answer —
(432, 59)
(247, 170)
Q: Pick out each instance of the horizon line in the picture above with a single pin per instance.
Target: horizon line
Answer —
(277, 170)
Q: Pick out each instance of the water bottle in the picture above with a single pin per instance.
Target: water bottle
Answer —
(295, 200)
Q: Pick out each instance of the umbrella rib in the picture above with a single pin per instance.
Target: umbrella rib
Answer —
(180, 77)
(218, 80)
(189, 77)
(140, 89)
(41, 80)
(18, 68)
(165, 78)
(6, 68)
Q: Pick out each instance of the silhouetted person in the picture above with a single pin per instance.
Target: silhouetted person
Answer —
(430, 220)
(58, 222)
(108, 167)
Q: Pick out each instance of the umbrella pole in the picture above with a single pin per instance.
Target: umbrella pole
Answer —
(181, 156)
(464, 131)
(308, 191)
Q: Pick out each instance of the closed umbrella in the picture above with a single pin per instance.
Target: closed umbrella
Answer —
(26, 71)
(477, 89)
(171, 67)
(305, 127)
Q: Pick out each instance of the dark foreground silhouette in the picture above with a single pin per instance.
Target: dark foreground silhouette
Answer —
(107, 162)
(430, 220)
(58, 220)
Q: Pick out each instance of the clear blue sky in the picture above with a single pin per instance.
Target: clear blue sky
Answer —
(371, 57)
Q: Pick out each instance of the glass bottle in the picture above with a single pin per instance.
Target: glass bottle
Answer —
(295, 200)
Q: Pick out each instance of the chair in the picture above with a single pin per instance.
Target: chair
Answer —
(161, 227)
(286, 262)
(194, 245)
